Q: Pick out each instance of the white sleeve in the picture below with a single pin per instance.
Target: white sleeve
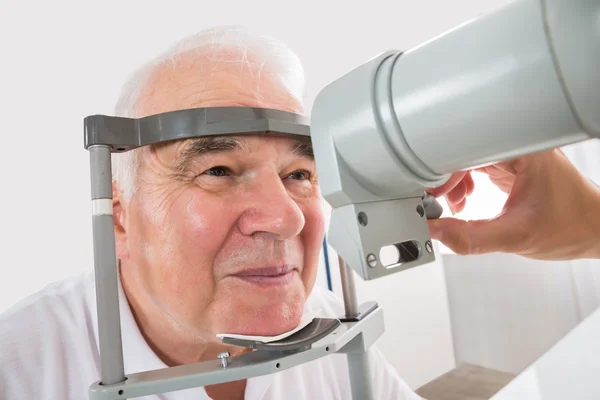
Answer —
(386, 382)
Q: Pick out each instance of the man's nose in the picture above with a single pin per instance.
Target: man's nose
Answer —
(271, 210)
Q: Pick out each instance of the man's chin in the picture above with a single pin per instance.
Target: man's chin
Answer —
(267, 320)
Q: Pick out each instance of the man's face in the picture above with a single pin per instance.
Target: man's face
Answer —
(224, 233)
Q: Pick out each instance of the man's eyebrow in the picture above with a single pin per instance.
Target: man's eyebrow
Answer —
(203, 146)
(303, 147)
(214, 144)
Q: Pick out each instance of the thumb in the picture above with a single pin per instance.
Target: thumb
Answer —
(477, 237)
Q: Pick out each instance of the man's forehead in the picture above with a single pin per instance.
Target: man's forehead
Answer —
(208, 77)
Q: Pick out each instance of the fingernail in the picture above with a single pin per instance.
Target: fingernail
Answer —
(450, 205)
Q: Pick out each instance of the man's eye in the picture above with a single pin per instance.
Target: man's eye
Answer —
(217, 171)
(300, 175)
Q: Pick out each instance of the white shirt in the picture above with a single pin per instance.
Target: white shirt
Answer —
(49, 350)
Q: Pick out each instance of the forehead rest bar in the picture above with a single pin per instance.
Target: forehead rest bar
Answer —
(123, 134)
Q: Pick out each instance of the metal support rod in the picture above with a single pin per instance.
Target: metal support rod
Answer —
(358, 360)
(360, 376)
(105, 267)
(348, 289)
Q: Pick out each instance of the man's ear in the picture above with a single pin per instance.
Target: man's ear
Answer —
(119, 217)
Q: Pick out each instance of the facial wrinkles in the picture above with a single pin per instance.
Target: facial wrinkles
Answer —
(187, 89)
(172, 320)
(256, 251)
(250, 183)
(161, 198)
(157, 183)
(255, 177)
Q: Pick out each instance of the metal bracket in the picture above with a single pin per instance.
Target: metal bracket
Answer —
(105, 135)
(364, 310)
(123, 134)
(363, 233)
(256, 363)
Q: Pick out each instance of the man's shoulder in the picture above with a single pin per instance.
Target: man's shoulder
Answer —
(47, 342)
(56, 310)
(55, 298)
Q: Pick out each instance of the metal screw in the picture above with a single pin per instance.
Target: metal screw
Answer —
(372, 260)
(429, 246)
(224, 357)
(362, 219)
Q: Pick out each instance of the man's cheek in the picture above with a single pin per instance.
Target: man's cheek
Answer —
(195, 213)
(315, 221)
(313, 235)
(207, 219)
(203, 239)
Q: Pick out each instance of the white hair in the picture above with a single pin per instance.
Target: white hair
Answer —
(269, 52)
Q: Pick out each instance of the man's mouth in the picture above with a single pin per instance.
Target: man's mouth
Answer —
(267, 276)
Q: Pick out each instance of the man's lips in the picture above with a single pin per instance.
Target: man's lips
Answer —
(267, 276)
(265, 271)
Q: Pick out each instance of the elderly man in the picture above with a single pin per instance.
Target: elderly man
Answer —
(214, 235)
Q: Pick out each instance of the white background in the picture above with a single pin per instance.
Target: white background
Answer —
(61, 61)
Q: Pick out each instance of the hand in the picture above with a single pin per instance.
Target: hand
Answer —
(552, 211)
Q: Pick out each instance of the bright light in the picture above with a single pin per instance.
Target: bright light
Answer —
(485, 202)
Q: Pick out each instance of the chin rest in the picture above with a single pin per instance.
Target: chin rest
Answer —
(299, 341)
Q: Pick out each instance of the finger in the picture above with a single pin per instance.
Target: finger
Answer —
(456, 195)
(460, 206)
(477, 237)
(454, 180)
(470, 183)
